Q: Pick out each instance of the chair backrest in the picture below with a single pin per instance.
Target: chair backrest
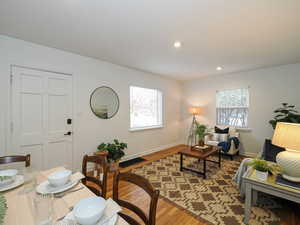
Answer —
(147, 187)
(100, 183)
(16, 158)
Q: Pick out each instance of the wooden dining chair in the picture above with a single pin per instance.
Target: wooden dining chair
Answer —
(92, 182)
(147, 187)
(16, 158)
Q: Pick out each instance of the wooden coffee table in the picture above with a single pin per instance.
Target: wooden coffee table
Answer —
(200, 156)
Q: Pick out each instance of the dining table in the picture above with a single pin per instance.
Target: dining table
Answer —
(19, 205)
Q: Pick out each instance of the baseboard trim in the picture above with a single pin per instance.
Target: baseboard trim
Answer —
(156, 149)
(249, 154)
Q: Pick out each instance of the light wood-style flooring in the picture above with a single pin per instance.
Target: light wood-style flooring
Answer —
(168, 214)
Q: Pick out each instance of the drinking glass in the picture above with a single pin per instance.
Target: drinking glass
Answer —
(30, 180)
(43, 209)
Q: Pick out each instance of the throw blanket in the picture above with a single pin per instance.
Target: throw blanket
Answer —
(238, 177)
(226, 145)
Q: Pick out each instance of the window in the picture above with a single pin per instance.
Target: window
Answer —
(233, 107)
(145, 108)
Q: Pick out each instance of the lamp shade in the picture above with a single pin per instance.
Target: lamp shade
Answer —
(194, 110)
(287, 135)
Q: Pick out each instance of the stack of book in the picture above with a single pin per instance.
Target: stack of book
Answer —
(200, 148)
(281, 181)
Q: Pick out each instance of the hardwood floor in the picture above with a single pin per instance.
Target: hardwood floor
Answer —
(167, 213)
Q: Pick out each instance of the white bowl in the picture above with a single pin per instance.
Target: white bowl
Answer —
(89, 210)
(11, 173)
(59, 178)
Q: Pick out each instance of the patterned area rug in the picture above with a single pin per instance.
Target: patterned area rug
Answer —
(214, 200)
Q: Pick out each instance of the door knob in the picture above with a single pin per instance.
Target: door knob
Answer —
(68, 133)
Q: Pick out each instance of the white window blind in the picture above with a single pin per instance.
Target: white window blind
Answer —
(233, 107)
(145, 108)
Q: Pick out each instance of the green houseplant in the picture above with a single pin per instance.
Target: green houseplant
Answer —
(115, 152)
(287, 113)
(201, 132)
(262, 168)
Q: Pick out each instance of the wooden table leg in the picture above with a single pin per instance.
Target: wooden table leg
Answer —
(248, 201)
(204, 169)
(219, 158)
(181, 161)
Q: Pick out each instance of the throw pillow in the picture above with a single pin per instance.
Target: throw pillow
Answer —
(221, 131)
(271, 151)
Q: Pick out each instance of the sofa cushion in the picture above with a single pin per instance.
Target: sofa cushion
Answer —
(221, 131)
(271, 151)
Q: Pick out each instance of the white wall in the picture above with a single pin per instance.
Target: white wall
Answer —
(268, 89)
(89, 74)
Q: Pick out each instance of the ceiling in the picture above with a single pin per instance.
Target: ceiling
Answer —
(237, 35)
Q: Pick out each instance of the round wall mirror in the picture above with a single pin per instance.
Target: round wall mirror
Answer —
(104, 102)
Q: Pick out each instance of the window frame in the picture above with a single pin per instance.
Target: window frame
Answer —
(161, 114)
(231, 107)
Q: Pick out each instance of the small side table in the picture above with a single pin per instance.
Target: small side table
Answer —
(253, 185)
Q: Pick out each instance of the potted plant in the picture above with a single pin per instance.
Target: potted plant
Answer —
(262, 168)
(287, 113)
(201, 132)
(115, 152)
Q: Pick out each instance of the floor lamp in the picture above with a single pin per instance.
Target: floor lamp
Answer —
(192, 138)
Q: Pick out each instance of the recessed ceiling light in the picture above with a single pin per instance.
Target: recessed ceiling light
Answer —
(219, 68)
(177, 44)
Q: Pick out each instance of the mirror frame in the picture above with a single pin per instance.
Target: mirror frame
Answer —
(91, 96)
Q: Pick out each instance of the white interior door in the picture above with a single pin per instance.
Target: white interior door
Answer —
(42, 117)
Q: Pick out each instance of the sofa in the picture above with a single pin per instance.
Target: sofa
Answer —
(214, 139)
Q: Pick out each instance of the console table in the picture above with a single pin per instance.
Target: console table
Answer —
(253, 185)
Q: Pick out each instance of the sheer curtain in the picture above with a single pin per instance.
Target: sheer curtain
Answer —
(233, 107)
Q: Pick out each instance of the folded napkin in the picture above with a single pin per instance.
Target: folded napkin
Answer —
(111, 209)
(76, 176)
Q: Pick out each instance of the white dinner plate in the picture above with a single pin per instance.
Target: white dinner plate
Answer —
(46, 188)
(112, 221)
(19, 180)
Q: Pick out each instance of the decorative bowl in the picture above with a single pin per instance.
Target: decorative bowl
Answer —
(59, 178)
(7, 176)
(89, 210)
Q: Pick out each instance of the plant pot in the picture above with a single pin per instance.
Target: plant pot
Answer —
(262, 176)
(113, 166)
(201, 143)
